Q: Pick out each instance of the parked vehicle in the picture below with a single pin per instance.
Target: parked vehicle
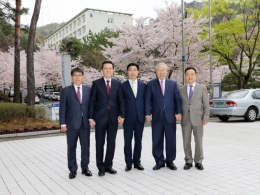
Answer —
(45, 95)
(36, 101)
(54, 96)
(240, 103)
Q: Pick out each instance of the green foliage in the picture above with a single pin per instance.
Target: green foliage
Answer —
(10, 111)
(230, 83)
(72, 46)
(92, 47)
(48, 28)
(4, 98)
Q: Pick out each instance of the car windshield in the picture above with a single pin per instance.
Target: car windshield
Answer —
(236, 94)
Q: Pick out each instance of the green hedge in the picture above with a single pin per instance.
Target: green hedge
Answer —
(3, 97)
(10, 111)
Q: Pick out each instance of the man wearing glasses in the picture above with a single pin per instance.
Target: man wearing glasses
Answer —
(74, 105)
(134, 94)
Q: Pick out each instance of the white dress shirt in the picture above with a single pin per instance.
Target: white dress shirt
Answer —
(188, 88)
(163, 84)
(106, 81)
(134, 83)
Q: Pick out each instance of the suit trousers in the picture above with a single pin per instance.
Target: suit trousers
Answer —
(159, 130)
(133, 129)
(198, 134)
(105, 127)
(72, 138)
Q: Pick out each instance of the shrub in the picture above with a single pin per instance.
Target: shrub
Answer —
(10, 111)
(4, 98)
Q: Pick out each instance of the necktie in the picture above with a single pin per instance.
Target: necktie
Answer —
(162, 87)
(108, 87)
(78, 94)
(133, 88)
(190, 93)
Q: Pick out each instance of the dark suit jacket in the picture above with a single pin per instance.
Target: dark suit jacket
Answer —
(100, 100)
(71, 110)
(134, 106)
(156, 103)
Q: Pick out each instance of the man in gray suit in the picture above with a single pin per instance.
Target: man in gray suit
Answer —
(195, 110)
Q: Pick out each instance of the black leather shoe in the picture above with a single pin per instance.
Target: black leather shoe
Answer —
(87, 172)
(171, 165)
(139, 167)
(199, 166)
(72, 174)
(101, 172)
(157, 166)
(128, 167)
(187, 166)
(110, 170)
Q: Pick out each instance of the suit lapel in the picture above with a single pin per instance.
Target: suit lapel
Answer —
(157, 84)
(196, 88)
(102, 82)
(185, 92)
(130, 88)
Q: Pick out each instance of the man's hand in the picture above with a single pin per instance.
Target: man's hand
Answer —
(178, 117)
(148, 118)
(63, 128)
(120, 120)
(204, 122)
(92, 123)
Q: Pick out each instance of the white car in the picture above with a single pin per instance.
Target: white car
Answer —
(54, 96)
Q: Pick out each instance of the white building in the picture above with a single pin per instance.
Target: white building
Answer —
(89, 19)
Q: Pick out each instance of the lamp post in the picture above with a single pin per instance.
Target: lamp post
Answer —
(211, 94)
(183, 58)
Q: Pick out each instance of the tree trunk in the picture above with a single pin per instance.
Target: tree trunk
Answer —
(30, 60)
(17, 53)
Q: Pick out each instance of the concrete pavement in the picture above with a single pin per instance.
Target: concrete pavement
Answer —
(231, 150)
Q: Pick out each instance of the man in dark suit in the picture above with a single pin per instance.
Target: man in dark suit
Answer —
(106, 111)
(163, 108)
(195, 108)
(74, 105)
(134, 94)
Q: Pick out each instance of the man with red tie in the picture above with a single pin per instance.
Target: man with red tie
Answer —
(163, 108)
(105, 113)
(74, 105)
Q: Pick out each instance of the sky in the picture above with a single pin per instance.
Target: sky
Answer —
(57, 11)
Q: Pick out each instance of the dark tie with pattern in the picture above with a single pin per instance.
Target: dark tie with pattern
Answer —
(108, 87)
(191, 93)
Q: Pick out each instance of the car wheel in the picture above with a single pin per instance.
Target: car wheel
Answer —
(251, 114)
(223, 118)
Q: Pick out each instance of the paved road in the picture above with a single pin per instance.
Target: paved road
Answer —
(38, 166)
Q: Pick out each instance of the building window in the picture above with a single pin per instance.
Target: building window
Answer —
(110, 20)
(79, 22)
(74, 34)
(83, 18)
(79, 32)
(66, 29)
(62, 32)
(111, 29)
(74, 25)
(83, 29)
(70, 27)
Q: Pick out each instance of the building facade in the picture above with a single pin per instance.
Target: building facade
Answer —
(89, 19)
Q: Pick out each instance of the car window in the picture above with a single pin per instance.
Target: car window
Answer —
(236, 94)
(256, 95)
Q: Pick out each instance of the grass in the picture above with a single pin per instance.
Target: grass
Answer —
(29, 123)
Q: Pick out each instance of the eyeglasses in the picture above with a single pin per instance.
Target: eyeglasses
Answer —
(77, 75)
(130, 70)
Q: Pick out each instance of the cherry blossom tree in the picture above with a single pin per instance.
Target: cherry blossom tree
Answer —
(160, 41)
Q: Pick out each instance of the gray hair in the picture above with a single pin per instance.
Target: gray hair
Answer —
(161, 64)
